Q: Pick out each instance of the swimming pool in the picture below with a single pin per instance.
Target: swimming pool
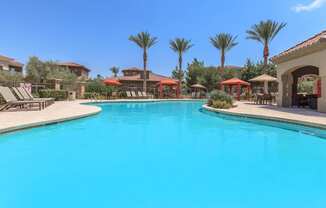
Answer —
(167, 154)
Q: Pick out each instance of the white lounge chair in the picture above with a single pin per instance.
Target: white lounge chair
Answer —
(133, 94)
(12, 102)
(28, 96)
(128, 94)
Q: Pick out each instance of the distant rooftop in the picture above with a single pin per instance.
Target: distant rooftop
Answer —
(72, 64)
(137, 77)
(134, 69)
(10, 61)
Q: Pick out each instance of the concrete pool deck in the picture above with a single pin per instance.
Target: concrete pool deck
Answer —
(271, 112)
(58, 112)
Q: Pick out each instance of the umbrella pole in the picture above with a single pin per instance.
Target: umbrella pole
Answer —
(266, 87)
(238, 92)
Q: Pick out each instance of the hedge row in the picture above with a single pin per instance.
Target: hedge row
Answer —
(56, 94)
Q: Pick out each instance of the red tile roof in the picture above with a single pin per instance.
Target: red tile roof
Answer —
(152, 77)
(316, 39)
(72, 64)
(10, 61)
(133, 69)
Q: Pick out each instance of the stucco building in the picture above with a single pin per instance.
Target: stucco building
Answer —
(78, 69)
(10, 65)
(133, 78)
(305, 58)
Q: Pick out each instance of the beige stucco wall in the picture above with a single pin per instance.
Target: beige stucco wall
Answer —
(317, 59)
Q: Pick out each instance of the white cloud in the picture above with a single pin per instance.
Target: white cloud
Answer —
(315, 4)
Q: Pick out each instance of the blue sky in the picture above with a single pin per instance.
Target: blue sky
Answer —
(95, 33)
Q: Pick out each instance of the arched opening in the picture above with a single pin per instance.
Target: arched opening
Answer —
(304, 93)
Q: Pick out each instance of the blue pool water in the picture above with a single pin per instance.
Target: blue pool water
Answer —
(161, 155)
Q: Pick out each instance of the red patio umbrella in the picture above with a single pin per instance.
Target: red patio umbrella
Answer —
(112, 82)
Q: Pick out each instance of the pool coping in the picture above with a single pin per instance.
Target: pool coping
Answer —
(138, 100)
(48, 122)
(95, 110)
(263, 117)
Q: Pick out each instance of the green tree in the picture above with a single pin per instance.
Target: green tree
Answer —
(13, 77)
(194, 70)
(264, 32)
(252, 70)
(210, 78)
(145, 41)
(58, 72)
(180, 46)
(231, 73)
(35, 71)
(178, 74)
(197, 73)
(98, 88)
(269, 69)
(223, 42)
(38, 71)
(115, 71)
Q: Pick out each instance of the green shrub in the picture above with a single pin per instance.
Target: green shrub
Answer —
(56, 94)
(98, 88)
(221, 104)
(89, 95)
(221, 95)
(10, 77)
(220, 99)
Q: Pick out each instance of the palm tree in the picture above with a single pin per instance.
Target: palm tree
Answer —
(115, 71)
(264, 32)
(144, 41)
(223, 42)
(180, 46)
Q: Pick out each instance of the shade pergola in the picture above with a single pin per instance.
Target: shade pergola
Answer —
(265, 78)
(112, 82)
(170, 83)
(236, 82)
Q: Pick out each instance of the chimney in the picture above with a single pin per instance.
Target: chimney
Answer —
(142, 74)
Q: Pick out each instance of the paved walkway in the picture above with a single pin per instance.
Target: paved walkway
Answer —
(294, 115)
(59, 111)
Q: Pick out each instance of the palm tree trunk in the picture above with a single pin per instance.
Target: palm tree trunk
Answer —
(180, 62)
(266, 54)
(180, 71)
(222, 61)
(145, 71)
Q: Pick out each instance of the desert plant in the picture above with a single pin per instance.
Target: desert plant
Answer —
(221, 104)
(220, 99)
